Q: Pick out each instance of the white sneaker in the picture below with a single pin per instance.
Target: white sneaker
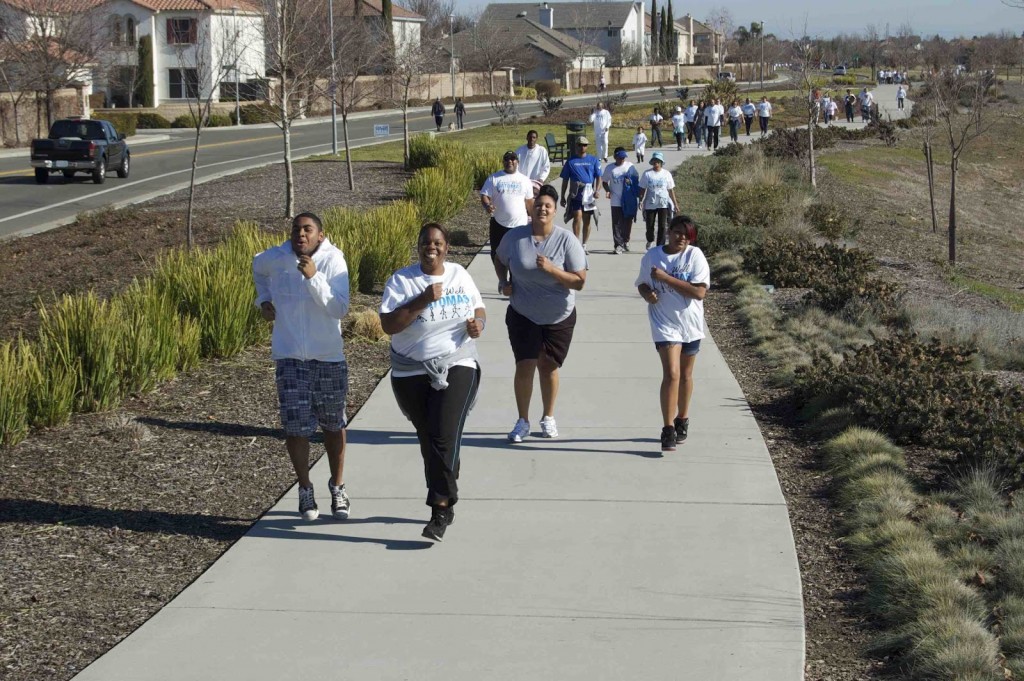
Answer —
(548, 427)
(618, 251)
(519, 431)
(586, 250)
(307, 504)
(625, 247)
(340, 504)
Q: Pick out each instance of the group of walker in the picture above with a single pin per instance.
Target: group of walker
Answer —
(434, 312)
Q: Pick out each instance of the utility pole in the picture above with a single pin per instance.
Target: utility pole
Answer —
(451, 34)
(762, 56)
(333, 89)
(238, 78)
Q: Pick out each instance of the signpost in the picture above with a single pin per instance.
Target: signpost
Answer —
(381, 130)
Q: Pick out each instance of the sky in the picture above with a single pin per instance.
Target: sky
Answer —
(786, 18)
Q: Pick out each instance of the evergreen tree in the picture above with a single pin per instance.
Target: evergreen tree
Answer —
(670, 37)
(387, 15)
(144, 83)
(655, 52)
(663, 35)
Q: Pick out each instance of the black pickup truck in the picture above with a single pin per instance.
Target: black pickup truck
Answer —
(81, 145)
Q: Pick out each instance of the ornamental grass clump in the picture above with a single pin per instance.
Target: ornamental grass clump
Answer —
(14, 396)
(439, 193)
(160, 342)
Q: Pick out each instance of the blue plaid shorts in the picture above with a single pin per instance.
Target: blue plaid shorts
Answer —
(311, 392)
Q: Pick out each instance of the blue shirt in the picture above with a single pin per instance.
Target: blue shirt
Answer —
(585, 169)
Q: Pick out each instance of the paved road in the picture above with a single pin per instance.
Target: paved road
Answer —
(162, 167)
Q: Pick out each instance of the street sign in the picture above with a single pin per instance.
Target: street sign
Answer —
(381, 130)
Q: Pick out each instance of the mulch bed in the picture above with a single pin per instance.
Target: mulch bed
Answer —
(104, 520)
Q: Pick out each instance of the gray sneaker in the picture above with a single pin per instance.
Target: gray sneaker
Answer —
(307, 504)
(340, 504)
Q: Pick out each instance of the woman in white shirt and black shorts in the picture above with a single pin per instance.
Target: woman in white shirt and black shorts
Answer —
(434, 311)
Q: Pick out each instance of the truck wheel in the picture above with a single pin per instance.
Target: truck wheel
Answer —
(99, 173)
(42, 175)
(125, 166)
(68, 174)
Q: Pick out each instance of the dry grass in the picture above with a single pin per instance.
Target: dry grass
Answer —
(365, 323)
(998, 333)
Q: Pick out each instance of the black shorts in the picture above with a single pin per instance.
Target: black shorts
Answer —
(528, 339)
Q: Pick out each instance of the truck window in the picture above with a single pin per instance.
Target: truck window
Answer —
(87, 130)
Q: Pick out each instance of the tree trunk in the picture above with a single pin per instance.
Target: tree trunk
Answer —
(812, 124)
(929, 162)
(49, 108)
(405, 129)
(953, 167)
(348, 152)
(192, 187)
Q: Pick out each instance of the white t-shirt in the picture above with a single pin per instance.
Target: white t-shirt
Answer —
(675, 317)
(613, 175)
(656, 119)
(901, 93)
(509, 192)
(440, 328)
(678, 123)
(602, 120)
(639, 142)
(713, 115)
(749, 109)
(534, 163)
(735, 113)
(657, 184)
(764, 109)
(690, 115)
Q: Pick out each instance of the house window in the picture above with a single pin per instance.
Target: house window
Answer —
(181, 31)
(129, 31)
(116, 36)
(613, 33)
(182, 83)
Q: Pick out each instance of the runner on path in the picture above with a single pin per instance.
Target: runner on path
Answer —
(640, 143)
(548, 266)
(655, 121)
(507, 198)
(435, 370)
(581, 176)
(749, 111)
(764, 112)
(302, 287)
(460, 112)
(674, 279)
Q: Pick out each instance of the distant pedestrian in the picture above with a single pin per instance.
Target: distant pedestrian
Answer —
(698, 123)
(657, 198)
(460, 111)
(866, 102)
(640, 143)
(438, 111)
(678, 127)
(622, 183)
(302, 286)
(735, 114)
(602, 120)
(713, 114)
(507, 198)
(548, 266)
(850, 101)
(749, 111)
(831, 109)
(901, 95)
(434, 312)
(764, 113)
(690, 117)
(534, 161)
(601, 85)
(655, 121)
(674, 280)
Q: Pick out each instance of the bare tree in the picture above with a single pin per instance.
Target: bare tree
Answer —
(959, 102)
(437, 14)
(807, 56)
(16, 89)
(488, 47)
(586, 36)
(205, 57)
(405, 70)
(52, 44)
(905, 47)
(295, 54)
(721, 22)
(937, 54)
(872, 48)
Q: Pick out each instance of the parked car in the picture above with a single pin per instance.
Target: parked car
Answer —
(727, 75)
(80, 145)
(839, 71)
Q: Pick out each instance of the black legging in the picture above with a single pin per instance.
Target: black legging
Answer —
(661, 215)
(679, 139)
(439, 417)
(689, 132)
(748, 120)
(712, 134)
(764, 124)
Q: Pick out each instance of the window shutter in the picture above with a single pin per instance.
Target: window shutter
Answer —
(170, 32)
(193, 31)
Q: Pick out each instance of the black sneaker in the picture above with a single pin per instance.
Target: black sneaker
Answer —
(440, 518)
(682, 426)
(668, 439)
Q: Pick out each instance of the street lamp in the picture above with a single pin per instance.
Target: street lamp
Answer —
(238, 108)
(762, 56)
(332, 89)
(451, 33)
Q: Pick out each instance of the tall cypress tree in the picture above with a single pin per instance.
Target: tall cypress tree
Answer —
(387, 14)
(670, 37)
(144, 83)
(663, 34)
(655, 52)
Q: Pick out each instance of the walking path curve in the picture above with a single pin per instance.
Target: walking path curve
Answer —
(587, 557)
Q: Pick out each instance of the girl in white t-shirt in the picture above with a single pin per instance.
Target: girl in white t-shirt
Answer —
(674, 279)
(640, 143)
(434, 312)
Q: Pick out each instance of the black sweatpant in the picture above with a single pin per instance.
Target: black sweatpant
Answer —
(712, 136)
(496, 232)
(748, 121)
(689, 132)
(622, 227)
(660, 215)
(679, 139)
(439, 417)
(656, 136)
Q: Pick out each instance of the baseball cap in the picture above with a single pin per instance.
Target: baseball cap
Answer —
(582, 140)
(510, 156)
(657, 156)
(620, 152)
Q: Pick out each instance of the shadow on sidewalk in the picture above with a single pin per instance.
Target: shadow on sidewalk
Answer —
(282, 525)
(491, 440)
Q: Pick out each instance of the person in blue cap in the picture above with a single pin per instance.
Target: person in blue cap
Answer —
(622, 182)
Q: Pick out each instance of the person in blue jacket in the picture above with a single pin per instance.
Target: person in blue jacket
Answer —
(622, 183)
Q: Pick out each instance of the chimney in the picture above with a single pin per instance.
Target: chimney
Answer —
(547, 16)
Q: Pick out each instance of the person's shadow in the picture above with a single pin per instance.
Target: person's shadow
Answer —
(285, 525)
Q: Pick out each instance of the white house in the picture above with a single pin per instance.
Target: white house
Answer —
(406, 25)
(197, 46)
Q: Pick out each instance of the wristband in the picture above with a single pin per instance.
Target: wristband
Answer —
(483, 322)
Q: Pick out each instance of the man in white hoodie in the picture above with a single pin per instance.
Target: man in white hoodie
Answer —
(302, 287)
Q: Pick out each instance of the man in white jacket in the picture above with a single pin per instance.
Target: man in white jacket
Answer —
(302, 286)
(602, 120)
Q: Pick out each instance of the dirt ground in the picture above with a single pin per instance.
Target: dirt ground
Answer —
(106, 519)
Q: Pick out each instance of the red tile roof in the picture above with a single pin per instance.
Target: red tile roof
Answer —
(56, 6)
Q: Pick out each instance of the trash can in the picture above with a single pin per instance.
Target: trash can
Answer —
(573, 131)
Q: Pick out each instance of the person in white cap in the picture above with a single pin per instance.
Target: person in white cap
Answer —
(657, 197)
(679, 127)
(602, 120)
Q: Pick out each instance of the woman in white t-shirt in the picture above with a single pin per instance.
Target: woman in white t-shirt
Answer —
(434, 311)
(640, 143)
(657, 197)
(674, 279)
(678, 127)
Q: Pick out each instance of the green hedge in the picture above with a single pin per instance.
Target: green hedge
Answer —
(253, 114)
(152, 121)
(123, 122)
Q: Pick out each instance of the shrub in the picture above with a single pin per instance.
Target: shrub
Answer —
(550, 105)
(548, 88)
(720, 172)
(125, 123)
(755, 205)
(526, 93)
(439, 193)
(184, 121)
(256, 113)
(725, 90)
(152, 121)
(366, 324)
(828, 219)
(219, 121)
(14, 397)
(844, 80)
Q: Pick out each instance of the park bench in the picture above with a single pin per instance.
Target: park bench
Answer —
(556, 150)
